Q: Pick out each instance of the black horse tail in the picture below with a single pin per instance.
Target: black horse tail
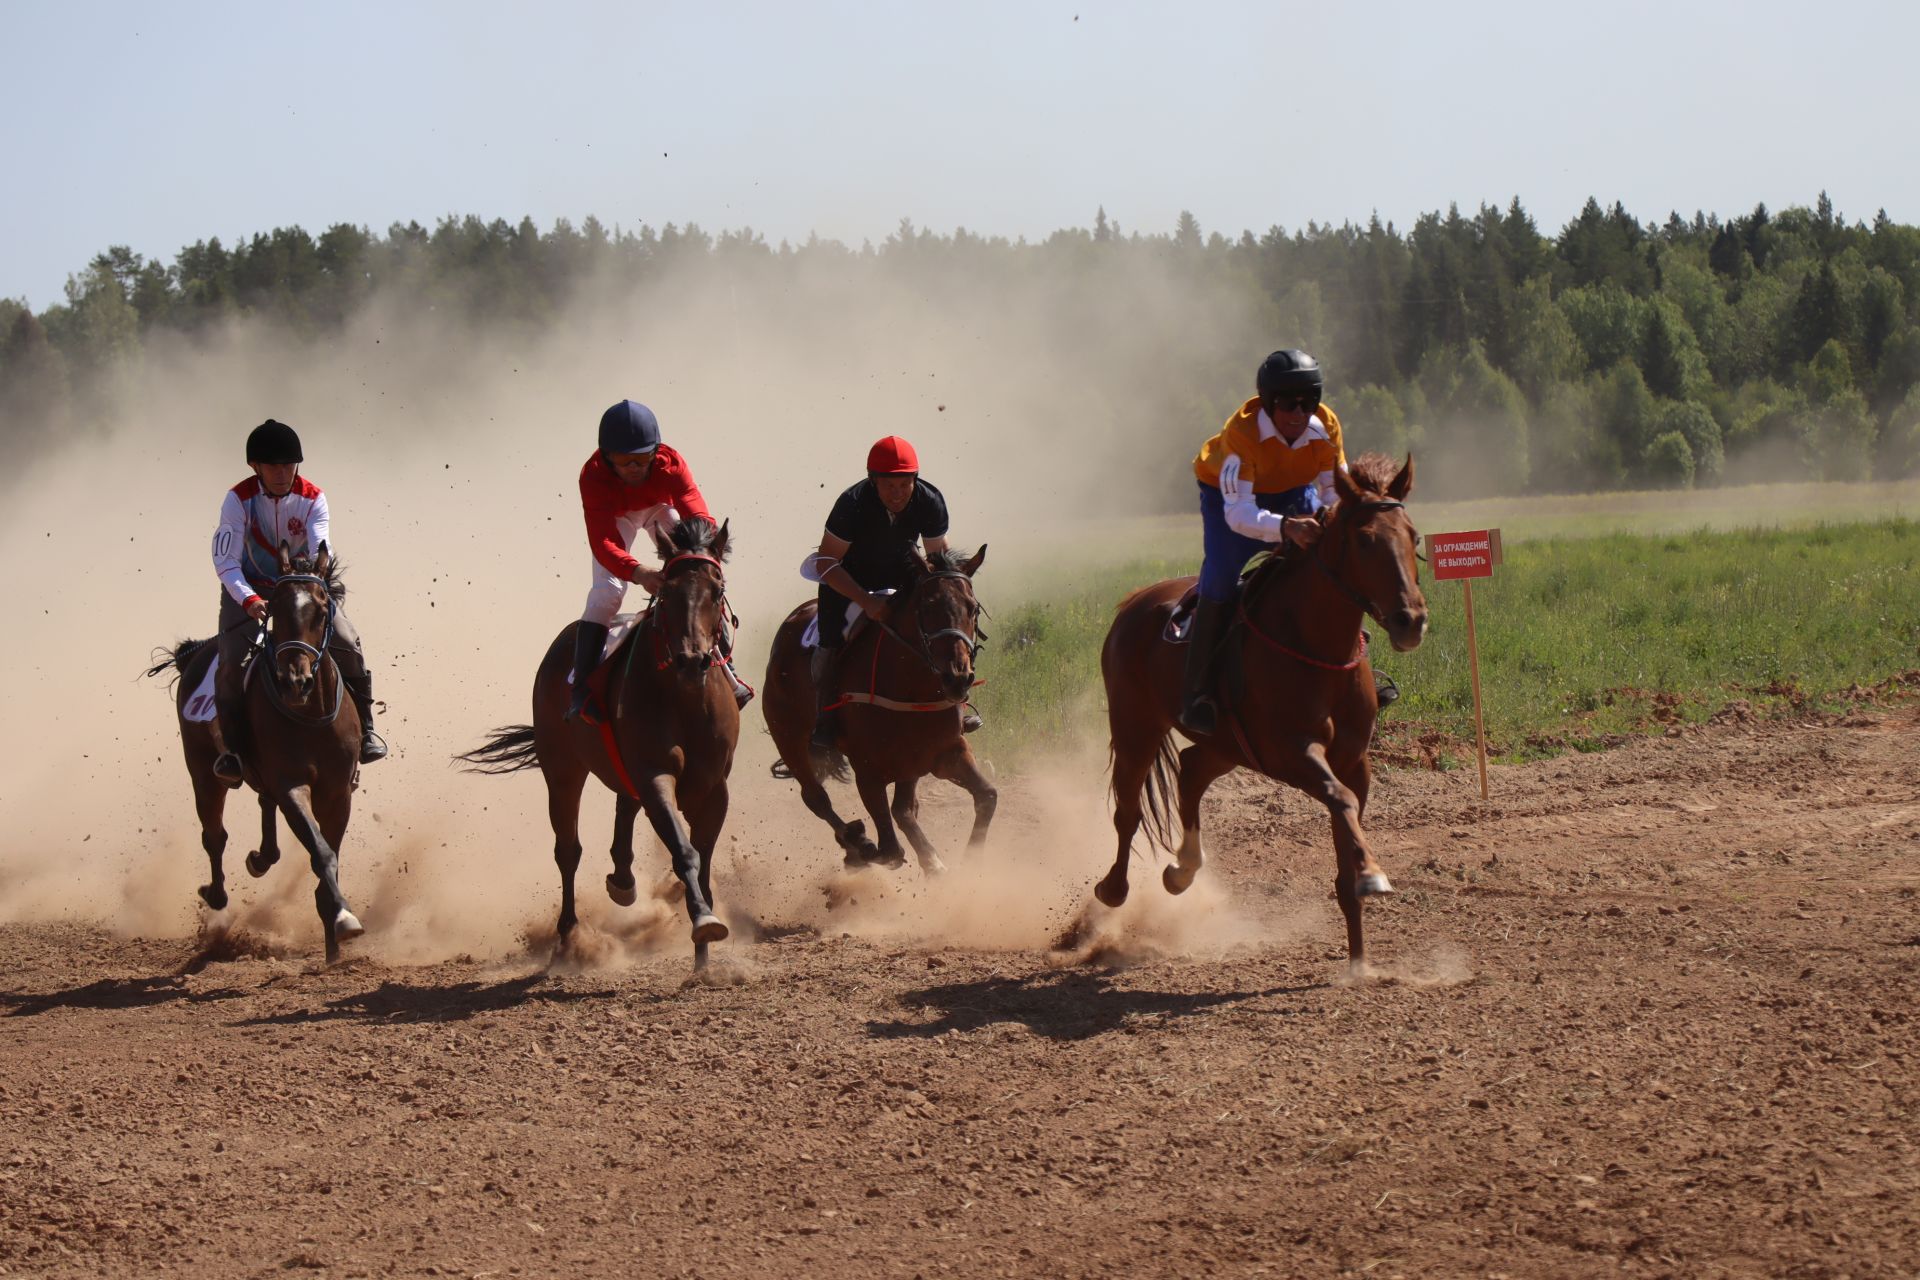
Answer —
(507, 750)
(175, 661)
(1157, 814)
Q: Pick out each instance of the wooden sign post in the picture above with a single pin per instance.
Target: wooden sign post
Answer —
(1467, 556)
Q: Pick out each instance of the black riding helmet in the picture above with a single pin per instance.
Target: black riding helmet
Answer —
(1289, 372)
(273, 442)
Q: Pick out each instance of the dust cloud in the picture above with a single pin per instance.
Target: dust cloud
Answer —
(449, 456)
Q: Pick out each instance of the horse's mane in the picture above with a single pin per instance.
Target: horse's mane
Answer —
(695, 536)
(336, 585)
(1371, 473)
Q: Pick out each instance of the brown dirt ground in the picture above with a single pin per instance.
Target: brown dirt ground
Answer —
(1653, 1011)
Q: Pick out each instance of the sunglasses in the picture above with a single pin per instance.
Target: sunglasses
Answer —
(1301, 403)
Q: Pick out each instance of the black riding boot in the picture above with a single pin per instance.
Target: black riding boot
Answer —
(1199, 714)
(826, 724)
(232, 714)
(589, 642)
(360, 688)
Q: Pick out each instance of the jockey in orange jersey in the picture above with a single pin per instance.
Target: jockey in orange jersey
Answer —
(1263, 477)
(632, 482)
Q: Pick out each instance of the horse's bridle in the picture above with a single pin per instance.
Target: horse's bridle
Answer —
(924, 651)
(320, 655)
(1366, 507)
(718, 652)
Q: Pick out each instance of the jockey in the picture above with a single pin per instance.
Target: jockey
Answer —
(277, 504)
(632, 482)
(1262, 479)
(867, 547)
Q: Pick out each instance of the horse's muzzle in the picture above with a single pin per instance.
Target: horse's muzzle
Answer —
(688, 664)
(1406, 628)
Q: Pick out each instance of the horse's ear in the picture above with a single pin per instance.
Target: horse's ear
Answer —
(285, 555)
(718, 547)
(919, 561)
(972, 566)
(662, 543)
(1402, 484)
(1343, 485)
(324, 562)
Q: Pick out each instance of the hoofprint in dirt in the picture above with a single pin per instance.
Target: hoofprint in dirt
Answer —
(1652, 1011)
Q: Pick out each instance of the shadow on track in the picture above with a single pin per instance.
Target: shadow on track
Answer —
(112, 993)
(1060, 1006)
(403, 1003)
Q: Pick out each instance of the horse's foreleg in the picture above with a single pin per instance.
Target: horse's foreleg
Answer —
(563, 813)
(210, 801)
(656, 798)
(850, 836)
(1200, 767)
(1357, 777)
(963, 771)
(620, 886)
(906, 812)
(1357, 875)
(1131, 765)
(261, 860)
(873, 794)
(339, 922)
(708, 817)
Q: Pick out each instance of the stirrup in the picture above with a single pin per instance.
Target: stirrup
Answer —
(372, 747)
(227, 768)
(1385, 691)
(969, 721)
(584, 707)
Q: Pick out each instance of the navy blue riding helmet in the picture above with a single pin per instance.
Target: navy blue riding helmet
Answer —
(629, 427)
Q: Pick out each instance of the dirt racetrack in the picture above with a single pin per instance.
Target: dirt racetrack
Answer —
(1654, 1013)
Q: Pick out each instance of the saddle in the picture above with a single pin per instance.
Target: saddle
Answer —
(856, 623)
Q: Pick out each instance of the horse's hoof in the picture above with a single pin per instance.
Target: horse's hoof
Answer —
(933, 865)
(215, 896)
(258, 866)
(891, 861)
(1178, 879)
(709, 929)
(347, 925)
(624, 895)
(1111, 892)
(1375, 884)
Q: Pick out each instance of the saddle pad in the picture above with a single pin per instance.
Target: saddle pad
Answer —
(199, 708)
(616, 633)
(810, 638)
(1180, 621)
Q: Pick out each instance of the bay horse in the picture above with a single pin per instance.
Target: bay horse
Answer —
(305, 760)
(905, 683)
(1298, 702)
(667, 745)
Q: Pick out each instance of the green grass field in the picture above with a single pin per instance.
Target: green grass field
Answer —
(1582, 638)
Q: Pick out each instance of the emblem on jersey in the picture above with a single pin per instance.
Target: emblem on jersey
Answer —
(296, 526)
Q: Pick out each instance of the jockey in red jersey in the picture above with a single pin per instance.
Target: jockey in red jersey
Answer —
(275, 504)
(632, 482)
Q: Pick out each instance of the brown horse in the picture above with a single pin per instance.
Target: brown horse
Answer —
(669, 740)
(906, 684)
(1300, 702)
(306, 740)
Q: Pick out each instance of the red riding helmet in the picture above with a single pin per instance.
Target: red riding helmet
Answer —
(892, 456)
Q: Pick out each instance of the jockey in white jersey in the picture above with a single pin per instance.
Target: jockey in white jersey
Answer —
(276, 504)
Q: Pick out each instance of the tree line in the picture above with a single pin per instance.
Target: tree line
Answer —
(1614, 353)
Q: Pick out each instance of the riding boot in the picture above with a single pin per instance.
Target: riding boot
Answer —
(1199, 713)
(232, 714)
(589, 642)
(742, 691)
(826, 724)
(969, 720)
(360, 686)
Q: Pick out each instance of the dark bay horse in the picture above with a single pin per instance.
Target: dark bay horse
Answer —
(1298, 701)
(667, 746)
(306, 741)
(907, 685)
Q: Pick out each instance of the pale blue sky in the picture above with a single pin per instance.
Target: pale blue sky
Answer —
(157, 125)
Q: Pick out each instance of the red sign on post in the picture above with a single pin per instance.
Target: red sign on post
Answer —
(1464, 555)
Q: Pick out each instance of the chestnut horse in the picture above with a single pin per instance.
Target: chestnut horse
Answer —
(906, 683)
(667, 746)
(1297, 699)
(306, 740)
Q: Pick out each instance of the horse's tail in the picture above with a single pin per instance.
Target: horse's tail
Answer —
(507, 750)
(175, 660)
(1157, 814)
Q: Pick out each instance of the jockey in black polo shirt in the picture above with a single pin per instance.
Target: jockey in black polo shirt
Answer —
(868, 546)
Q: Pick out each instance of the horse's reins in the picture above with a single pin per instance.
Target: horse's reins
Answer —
(717, 653)
(320, 658)
(922, 651)
(1318, 560)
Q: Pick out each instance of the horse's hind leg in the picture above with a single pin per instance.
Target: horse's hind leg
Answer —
(906, 812)
(1200, 766)
(563, 811)
(261, 860)
(873, 794)
(620, 885)
(1132, 762)
(210, 801)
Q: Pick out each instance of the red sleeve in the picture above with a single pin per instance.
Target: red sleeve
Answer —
(602, 511)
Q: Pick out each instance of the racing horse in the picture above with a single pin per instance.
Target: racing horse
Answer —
(666, 747)
(903, 690)
(1298, 700)
(305, 760)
